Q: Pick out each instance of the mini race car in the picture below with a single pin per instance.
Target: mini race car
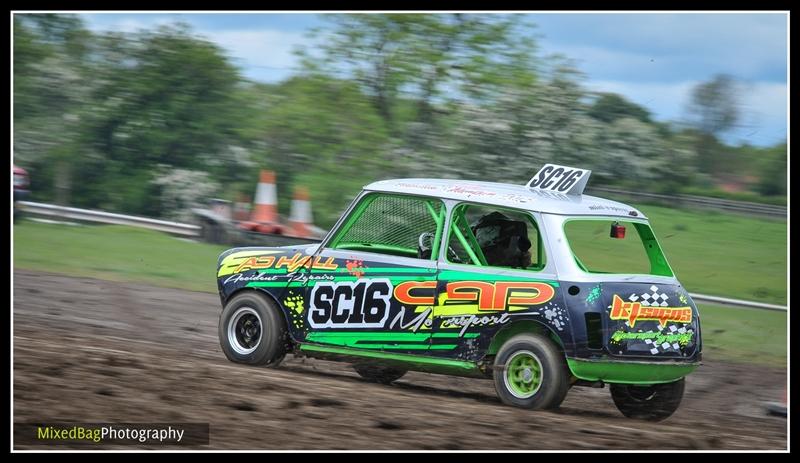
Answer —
(537, 287)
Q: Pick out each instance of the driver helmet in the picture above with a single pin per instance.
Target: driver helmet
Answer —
(504, 241)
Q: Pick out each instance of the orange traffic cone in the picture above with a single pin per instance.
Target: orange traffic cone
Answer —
(265, 213)
(300, 219)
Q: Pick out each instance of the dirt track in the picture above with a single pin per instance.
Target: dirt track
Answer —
(96, 351)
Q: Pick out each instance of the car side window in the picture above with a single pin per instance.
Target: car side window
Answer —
(400, 225)
(494, 237)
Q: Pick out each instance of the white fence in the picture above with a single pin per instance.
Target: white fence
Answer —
(50, 210)
(742, 207)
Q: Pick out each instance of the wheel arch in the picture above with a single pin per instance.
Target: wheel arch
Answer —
(519, 327)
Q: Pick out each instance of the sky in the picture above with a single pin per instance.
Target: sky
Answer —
(653, 59)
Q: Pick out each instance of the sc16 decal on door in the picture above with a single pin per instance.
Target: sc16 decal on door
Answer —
(357, 304)
(355, 313)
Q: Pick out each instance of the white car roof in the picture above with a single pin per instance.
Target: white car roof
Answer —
(502, 194)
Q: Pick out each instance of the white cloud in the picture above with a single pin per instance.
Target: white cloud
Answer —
(262, 54)
(681, 46)
(604, 62)
(268, 48)
(764, 106)
(107, 23)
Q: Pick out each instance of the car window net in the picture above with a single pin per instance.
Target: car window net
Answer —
(393, 221)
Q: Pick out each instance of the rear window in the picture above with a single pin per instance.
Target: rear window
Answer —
(595, 251)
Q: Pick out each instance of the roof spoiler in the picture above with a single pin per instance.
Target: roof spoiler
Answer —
(560, 179)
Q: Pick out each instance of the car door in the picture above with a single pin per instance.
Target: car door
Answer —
(378, 290)
(478, 295)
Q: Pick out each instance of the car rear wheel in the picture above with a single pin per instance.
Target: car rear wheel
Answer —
(529, 372)
(653, 402)
(252, 331)
(379, 374)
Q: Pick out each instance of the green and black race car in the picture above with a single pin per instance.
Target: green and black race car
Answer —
(537, 287)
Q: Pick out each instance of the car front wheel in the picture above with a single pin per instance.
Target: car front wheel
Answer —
(529, 372)
(252, 331)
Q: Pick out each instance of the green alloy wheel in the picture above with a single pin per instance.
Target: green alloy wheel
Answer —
(523, 374)
(530, 372)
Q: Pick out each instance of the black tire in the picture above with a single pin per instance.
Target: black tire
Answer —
(252, 330)
(519, 384)
(653, 403)
(377, 374)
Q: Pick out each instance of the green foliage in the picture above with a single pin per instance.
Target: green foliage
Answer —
(774, 173)
(428, 57)
(166, 97)
(96, 116)
(714, 105)
(713, 111)
(322, 133)
(28, 51)
(608, 107)
(101, 118)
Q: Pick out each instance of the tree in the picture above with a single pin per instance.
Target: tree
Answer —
(95, 115)
(714, 105)
(773, 176)
(713, 111)
(323, 129)
(608, 107)
(430, 58)
(51, 85)
(163, 97)
(508, 139)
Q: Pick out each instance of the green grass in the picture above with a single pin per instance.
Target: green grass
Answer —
(743, 335)
(724, 254)
(711, 253)
(129, 254)
(116, 252)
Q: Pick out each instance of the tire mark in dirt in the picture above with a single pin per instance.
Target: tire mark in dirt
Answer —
(75, 366)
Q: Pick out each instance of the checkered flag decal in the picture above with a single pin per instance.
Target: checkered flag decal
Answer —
(654, 299)
(665, 346)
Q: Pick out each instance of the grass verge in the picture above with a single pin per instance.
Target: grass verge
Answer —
(120, 253)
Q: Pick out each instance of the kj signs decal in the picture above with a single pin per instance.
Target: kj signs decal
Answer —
(635, 311)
